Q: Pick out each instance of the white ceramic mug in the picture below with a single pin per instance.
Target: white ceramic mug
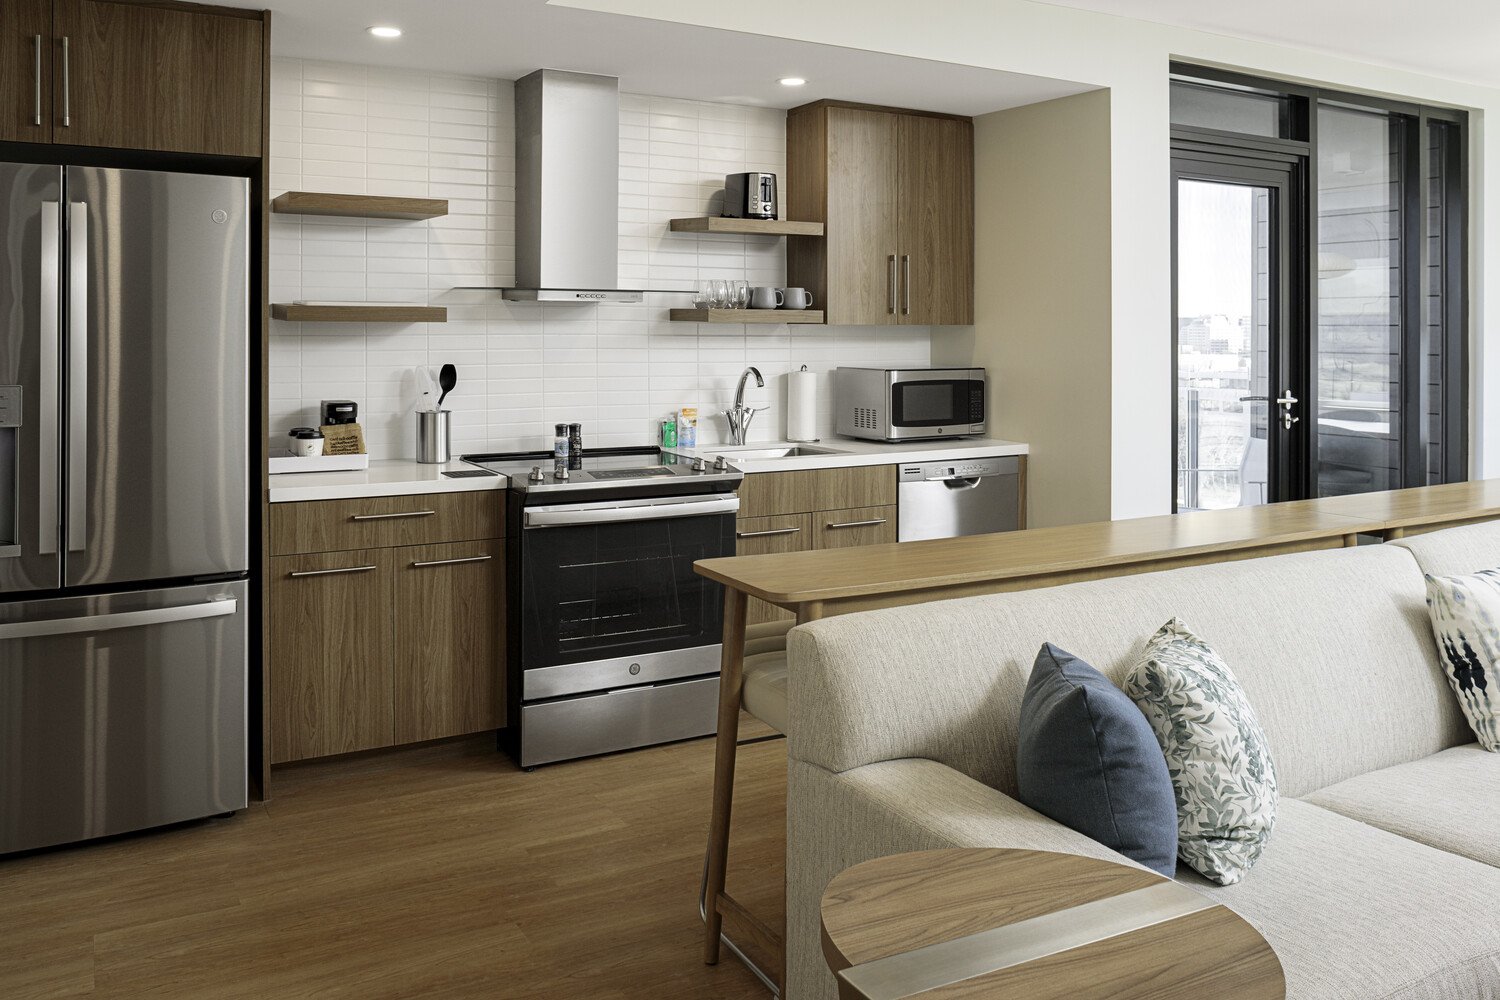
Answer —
(765, 297)
(796, 298)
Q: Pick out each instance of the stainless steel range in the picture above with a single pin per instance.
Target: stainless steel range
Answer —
(615, 640)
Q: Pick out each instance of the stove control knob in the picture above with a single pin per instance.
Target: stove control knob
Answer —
(699, 465)
(536, 475)
(561, 472)
(721, 464)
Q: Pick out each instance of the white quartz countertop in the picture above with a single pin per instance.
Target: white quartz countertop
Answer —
(384, 478)
(838, 452)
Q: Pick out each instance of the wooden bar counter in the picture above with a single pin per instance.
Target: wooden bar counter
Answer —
(819, 583)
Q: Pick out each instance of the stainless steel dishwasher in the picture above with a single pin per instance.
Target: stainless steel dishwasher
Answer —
(970, 497)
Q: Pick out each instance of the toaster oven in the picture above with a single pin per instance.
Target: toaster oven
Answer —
(906, 404)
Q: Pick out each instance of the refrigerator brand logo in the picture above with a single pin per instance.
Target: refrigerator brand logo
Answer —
(220, 216)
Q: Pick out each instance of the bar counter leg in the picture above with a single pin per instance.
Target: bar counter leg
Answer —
(731, 681)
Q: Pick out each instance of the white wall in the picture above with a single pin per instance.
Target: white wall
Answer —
(618, 368)
(1131, 58)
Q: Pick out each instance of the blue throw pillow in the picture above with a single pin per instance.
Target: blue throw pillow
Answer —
(1089, 760)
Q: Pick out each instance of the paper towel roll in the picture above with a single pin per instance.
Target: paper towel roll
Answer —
(802, 406)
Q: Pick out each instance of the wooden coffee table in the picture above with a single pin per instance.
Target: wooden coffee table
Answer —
(1033, 925)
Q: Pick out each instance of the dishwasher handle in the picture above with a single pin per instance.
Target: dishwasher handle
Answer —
(961, 482)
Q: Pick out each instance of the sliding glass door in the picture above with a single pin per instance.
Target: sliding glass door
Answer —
(1318, 291)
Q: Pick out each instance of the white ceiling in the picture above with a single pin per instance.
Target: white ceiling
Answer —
(507, 39)
(1454, 39)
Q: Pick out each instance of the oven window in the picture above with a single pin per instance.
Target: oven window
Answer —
(930, 404)
(597, 591)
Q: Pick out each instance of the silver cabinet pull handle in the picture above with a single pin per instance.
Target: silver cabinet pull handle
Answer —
(859, 524)
(387, 517)
(78, 375)
(453, 562)
(768, 531)
(119, 619)
(906, 284)
(890, 284)
(47, 451)
(330, 572)
(36, 118)
(67, 110)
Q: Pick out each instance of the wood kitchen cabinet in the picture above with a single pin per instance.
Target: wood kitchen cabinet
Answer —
(895, 191)
(759, 536)
(854, 526)
(26, 70)
(125, 74)
(331, 634)
(390, 642)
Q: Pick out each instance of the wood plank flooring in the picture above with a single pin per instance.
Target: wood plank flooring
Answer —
(441, 871)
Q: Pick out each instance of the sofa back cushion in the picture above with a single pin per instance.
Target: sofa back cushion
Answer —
(1333, 649)
(1456, 551)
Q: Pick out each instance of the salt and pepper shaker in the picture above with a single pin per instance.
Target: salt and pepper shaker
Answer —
(560, 443)
(575, 446)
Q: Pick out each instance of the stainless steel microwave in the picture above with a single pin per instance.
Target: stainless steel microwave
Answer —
(906, 404)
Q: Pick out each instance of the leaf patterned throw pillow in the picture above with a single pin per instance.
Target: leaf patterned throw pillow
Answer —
(1465, 613)
(1216, 752)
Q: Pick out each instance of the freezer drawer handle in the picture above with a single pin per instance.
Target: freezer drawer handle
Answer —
(453, 562)
(859, 524)
(386, 517)
(122, 619)
(330, 572)
(768, 531)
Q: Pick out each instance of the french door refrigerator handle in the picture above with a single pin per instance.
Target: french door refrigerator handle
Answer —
(118, 620)
(47, 511)
(78, 375)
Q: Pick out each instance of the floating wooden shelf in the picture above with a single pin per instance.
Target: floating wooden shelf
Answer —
(746, 227)
(764, 316)
(364, 206)
(372, 313)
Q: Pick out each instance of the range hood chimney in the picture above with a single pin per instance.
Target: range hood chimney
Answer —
(568, 189)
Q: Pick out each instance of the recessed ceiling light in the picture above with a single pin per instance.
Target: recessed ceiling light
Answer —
(384, 31)
(791, 81)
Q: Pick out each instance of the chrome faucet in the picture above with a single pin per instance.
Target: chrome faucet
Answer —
(741, 415)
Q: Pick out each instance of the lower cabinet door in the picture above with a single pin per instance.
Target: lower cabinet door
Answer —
(450, 639)
(758, 536)
(331, 640)
(853, 526)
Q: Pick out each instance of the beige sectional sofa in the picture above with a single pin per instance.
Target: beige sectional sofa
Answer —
(1381, 880)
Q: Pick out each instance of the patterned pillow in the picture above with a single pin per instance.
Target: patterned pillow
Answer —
(1216, 752)
(1465, 612)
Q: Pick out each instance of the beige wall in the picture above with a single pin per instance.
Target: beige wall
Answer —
(1042, 297)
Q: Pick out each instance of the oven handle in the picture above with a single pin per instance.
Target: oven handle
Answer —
(559, 517)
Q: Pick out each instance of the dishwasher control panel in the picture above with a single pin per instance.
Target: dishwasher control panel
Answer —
(968, 468)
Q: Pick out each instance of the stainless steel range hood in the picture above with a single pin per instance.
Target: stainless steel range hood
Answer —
(568, 189)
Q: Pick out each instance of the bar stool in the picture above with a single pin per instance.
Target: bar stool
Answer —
(763, 695)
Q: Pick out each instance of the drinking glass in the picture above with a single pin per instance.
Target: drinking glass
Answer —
(741, 295)
(719, 293)
(703, 298)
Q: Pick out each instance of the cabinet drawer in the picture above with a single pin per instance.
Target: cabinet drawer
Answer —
(382, 522)
(757, 536)
(766, 493)
(854, 526)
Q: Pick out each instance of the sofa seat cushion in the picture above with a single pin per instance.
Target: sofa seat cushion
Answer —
(1450, 801)
(1357, 913)
(764, 694)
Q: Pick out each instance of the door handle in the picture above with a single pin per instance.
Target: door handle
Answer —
(857, 524)
(768, 531)
(67, 110)
(387, 517)
(48, 514)
(890, 284)
(36, 117)
(118, 620)
(329, 572)
(906, 284)
(453, 562)
(78, 375)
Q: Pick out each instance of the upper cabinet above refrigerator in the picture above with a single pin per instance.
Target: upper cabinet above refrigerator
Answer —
(132, 76)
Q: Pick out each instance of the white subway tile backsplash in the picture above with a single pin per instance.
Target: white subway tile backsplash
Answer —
(618, 368)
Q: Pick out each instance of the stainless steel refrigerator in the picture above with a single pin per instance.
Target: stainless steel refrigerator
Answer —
(124, 505)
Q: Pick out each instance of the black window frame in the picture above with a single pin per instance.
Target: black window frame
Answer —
(1300, 135)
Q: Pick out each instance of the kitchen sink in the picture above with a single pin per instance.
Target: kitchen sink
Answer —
(791, 451)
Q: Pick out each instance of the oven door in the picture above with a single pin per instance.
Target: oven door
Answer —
(603, 581)
(937, 403)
